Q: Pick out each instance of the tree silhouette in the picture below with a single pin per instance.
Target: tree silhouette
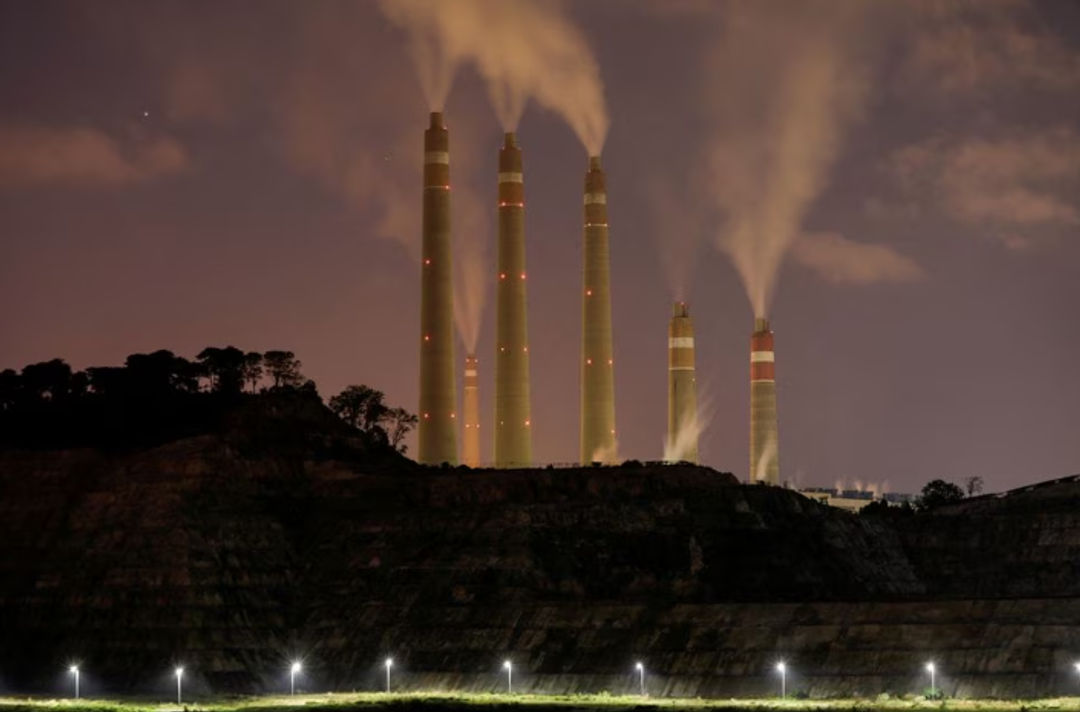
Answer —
(253, 369)
(362, 407)
(397, 423)
(359, 406)
(937, 493)
(284, 368)
(48, 380)
(157, 397)
(224, 367)
(973, 485)
(160, 373)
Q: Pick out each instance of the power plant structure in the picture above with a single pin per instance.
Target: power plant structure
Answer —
(513, 420)
(470, 412)
(437, 431)
(597, 357)
(764, 430)
(683, 426)
(512, 440)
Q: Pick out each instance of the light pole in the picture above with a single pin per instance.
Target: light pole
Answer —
(641, 677)
(389, 664)
(293, 671)
(74, 670)
(179, 677)
(509, 667)
(782, 669)
(932, 670)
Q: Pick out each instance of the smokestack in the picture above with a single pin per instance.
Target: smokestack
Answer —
(597, 359)
(682, 387)
(438, 388)
(470, 411)
(764, 431)
(513, 421)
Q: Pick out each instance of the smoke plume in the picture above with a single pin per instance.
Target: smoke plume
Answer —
(838, 260)
(689, 435)
(471, 157)
(524, 50)
(785, 84)
(81, 155)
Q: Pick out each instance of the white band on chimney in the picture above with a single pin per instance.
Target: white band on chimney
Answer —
(680, 368)
(596, 198)
(762, 357)
(510, 177)
(437, 157)
(470, 371)
(680, 342)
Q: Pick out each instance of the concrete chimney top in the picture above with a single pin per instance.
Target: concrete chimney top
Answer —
(761, 325)
(437, 120)
(594, 163)
(509, 140)
(681, 309)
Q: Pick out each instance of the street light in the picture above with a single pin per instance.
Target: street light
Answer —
(389, 664)
(932, 670)
(641, 676)
(782, 669)
(179, 677)
(293, 671)
(509, 667)
(74, 670)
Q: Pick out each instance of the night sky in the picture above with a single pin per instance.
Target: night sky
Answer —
(183, 174)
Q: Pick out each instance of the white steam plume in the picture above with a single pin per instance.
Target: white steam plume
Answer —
(689, 435)
(528, 49)
(786, 85)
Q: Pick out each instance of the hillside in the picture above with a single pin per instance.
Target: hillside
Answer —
(284, 534)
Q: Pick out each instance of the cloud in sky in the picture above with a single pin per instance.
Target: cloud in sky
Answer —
(991, 45)
(838, 260)
(78, 155)
(1025, 180)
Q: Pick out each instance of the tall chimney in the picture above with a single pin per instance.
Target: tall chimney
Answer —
(438, 387)
(470, 411)
(597, 359)
(764, 431)
(513, 420)
(683, 425)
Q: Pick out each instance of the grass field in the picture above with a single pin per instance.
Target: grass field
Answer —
(436, 702)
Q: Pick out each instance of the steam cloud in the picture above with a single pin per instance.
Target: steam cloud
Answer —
(33, 155)
(785, 87)
(842, 261)
(689, 435)
(524, 50)
(472, 227)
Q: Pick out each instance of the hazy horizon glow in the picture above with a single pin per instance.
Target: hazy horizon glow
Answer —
(176, 175)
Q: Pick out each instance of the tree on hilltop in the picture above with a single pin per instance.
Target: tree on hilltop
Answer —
(363, 408)
(284, 368)
(937, 493)
(48, 380)
(359, 406)
(973, 485)
(224, 367)
(398, 422)
(253, 369)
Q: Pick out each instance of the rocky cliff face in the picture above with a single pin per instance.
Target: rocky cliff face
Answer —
(235, 552)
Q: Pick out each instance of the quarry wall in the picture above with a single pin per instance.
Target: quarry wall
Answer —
(235, 562)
